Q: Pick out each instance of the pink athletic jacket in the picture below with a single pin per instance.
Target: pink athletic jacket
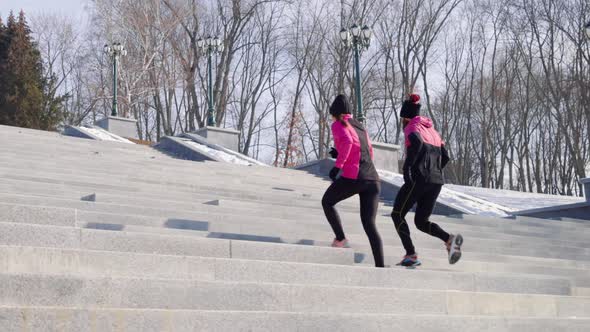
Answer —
(426, 156)
(423, 126)
(350, 150)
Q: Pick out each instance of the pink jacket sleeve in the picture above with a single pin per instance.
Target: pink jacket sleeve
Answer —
(343, 141)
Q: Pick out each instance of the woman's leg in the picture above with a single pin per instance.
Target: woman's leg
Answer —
(369, 199)
(404, 201)
(339, 190)
(424, 208)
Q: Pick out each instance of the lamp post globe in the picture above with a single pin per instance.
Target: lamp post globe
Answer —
(355, 30)
(367, 33)
(344, 35)
(587, 29)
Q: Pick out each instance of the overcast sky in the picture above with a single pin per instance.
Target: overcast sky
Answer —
(72, 8)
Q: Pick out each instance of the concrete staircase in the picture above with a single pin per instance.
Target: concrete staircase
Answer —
(104, 236)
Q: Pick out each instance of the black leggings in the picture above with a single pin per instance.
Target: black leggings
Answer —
(424, 195)
(368, 191)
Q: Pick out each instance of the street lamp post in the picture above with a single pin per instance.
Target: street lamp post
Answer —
(209, 46)
(115, 51)
(359, 39)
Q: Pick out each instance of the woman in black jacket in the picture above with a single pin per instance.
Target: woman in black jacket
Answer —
(426, 158)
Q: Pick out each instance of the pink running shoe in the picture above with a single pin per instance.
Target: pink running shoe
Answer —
(340, 244)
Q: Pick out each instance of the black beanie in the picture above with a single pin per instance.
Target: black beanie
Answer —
(340, 105)
(411, 107)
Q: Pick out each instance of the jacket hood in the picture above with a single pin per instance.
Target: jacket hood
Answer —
(423, 126)
(422, 121)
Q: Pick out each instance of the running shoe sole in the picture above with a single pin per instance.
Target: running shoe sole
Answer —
(455, 254)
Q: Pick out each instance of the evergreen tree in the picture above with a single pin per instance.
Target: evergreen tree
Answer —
(4, 43)
(25, 100)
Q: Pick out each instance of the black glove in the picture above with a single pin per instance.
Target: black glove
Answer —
(408, 176)
(333, 153)
(334, 173)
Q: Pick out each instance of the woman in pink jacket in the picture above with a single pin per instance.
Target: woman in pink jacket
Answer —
(354, 162)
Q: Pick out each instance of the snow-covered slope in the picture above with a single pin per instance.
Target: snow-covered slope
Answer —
(456, 199)
(514, 200)
(218, 152)
(489, 202)
(470, 200)
(103, 135)
(222, 156)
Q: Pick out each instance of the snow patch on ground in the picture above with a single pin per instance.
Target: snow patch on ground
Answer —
(513, 201)
(104, 135)
(220, 155)
(456, 199)
(490, 202)
(233, 154)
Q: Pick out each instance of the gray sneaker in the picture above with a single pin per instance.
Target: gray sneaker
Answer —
(454, 248)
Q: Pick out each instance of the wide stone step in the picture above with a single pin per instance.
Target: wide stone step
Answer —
(122, 169)
(76, 238)
(556, 225)
(479, 249)
(208, 212)
(304, 228)
(197, 180)
(35, 260)
(213, 212)
(57, 319)
(74, 291)
(236, 169)
(105, 195)
(77, 191)
(431, 258)
(545, 227)
(515, 226)
(268, 193)
(156, 160)
(292, 233)
(579, 271)
(102, 161)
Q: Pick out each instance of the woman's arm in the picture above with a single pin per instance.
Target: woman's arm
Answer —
(412, 152)
(370, 145)
(343, 141)
(445, 157)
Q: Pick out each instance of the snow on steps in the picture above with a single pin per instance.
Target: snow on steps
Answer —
(95, 133)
